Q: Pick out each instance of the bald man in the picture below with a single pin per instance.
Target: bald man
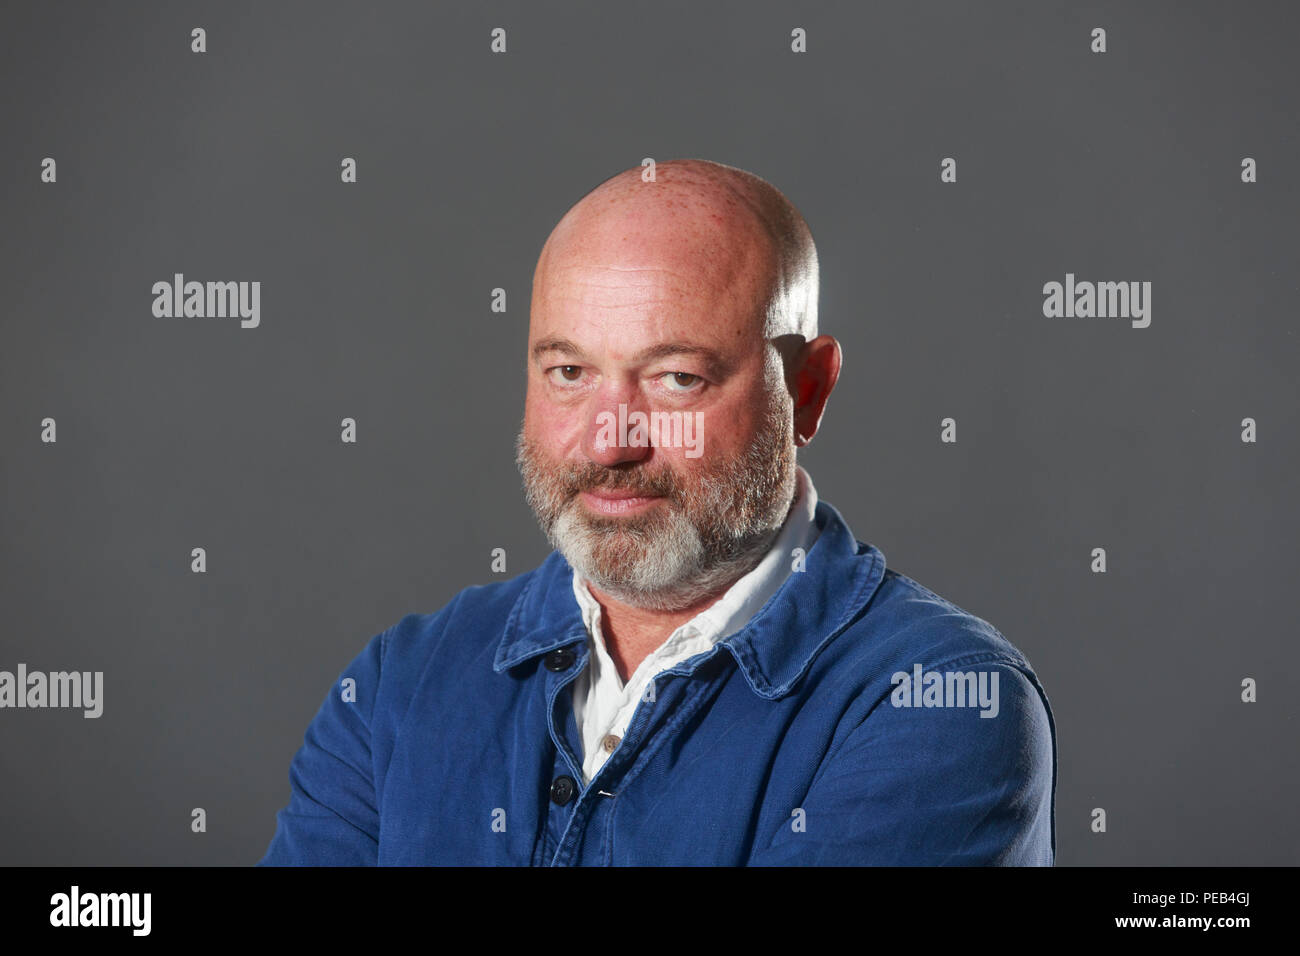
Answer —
(709, 669)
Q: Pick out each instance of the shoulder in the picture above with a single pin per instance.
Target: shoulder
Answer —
(908, 640)
(468, 626)
(907, 618)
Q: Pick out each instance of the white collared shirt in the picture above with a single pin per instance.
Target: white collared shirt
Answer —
(603, 705)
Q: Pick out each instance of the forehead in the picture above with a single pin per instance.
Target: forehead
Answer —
(661, 273)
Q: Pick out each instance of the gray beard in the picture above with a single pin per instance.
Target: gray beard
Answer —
(695, 543)
(666, 570)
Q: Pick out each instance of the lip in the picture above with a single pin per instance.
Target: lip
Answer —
(618, 502)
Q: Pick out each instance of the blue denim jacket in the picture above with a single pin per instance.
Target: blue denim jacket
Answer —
(818, 734)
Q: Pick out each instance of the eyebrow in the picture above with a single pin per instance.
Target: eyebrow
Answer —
(712, 358)
(557, 345)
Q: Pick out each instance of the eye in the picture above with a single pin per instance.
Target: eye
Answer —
(681, 381)
(567, 373)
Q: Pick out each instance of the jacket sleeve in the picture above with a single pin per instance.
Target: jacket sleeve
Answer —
(332, 818)
(931, 786)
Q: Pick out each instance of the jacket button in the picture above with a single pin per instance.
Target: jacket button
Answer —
(562, 790)
(560, 660)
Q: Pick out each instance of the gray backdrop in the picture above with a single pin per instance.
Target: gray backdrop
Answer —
(1073, 433)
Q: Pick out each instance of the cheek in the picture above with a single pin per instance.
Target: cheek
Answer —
(554, 426)
(538, 412)
(728, 431)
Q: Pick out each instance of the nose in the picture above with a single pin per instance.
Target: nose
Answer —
(606, 438)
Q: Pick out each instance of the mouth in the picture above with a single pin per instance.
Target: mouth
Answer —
(611, 502)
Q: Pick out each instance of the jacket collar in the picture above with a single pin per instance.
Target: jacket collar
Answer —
(773, 650)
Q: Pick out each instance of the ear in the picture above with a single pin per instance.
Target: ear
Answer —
(812, 378)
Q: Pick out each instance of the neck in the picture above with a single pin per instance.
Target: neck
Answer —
(632, 633)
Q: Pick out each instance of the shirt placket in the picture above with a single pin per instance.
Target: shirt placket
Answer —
(561, 667)
(587, 839)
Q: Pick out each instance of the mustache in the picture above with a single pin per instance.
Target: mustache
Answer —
(591, 476)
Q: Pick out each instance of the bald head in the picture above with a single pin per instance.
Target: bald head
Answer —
(707, 222)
